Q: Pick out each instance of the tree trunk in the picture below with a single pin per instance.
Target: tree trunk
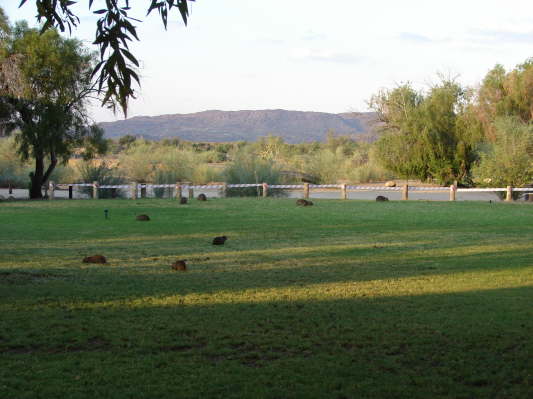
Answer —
(36, 178)
(39, 177)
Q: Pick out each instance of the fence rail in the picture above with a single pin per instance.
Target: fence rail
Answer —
(137, 190)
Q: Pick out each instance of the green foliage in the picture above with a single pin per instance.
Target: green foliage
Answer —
(117, 67)
(103, 174)
(508, 160)
(5, 27)
(325, 166)
(13, 171)
(171, 160)
(152, 162)
(247, 168)
(47, 102)
(504, 94)
(126, 141)
(138, 163)
(426, 136)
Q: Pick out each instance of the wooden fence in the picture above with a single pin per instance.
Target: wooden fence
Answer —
(138, 190)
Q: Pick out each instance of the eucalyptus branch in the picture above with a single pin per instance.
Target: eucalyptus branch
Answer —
(116, 71)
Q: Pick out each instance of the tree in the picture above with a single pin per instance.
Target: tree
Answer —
(5, 29)
(427, 136)
(399, 149)
(45, 83)
(116, 69)
(505, 94)
(508, 160)
(126, 141)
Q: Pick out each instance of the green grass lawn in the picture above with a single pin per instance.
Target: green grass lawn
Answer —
(345, 299)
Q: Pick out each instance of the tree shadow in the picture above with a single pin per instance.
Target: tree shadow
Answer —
(468, 344)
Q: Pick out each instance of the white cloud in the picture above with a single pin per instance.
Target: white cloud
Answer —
(503, 36)
(311, 35)
(306, 54)
(414, 37)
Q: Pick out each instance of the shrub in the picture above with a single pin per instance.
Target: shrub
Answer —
(508, 161)
(248, 168)
(104, 175)
(13, 171)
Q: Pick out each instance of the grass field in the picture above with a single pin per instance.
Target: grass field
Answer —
(345, 299)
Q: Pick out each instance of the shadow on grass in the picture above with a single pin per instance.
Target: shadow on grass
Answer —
(454, 345)
(241, 271)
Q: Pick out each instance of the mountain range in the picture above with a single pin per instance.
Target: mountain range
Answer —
(223, 126)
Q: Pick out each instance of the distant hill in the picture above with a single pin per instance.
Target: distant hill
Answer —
(221, 126)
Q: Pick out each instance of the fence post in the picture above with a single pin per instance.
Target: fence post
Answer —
(265, 190)
(70, 192)
(509, 196)
(224, 191)
(51, 187)
(178, 191)
(10, 189)
(133, 190)
(405, 192)
(343, 192)
(95, 190)
(306, 190)
(143, 190)
(453, 190)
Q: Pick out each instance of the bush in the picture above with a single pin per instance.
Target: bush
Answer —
(508, 161)
(147, 162)
(248, 168)
(359, 166)
(104, 175)
(13, 171)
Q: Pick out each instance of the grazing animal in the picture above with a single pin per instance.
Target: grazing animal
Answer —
(179, 265)
(303, 202)
(95, 259)
(202, 197)
(143, 218)
(381, 198)
(219, 240)
(183, 200)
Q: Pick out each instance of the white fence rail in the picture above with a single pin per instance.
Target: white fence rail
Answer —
(136, 190)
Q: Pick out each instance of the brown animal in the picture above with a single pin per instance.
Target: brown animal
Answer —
(303, 202)
(381, 198)
(95, 259)
(202, 197)
(183, 200)
(179, 265)
(143, 218)
(219, 240)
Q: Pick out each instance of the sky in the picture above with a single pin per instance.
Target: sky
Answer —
(309, 55)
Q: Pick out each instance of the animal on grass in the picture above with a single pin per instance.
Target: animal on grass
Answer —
(381, 198)
(202, 197)
(179, 265)
(219, 240)
(183, 200)
(303, 202)
(143, 218)
(95, 259)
